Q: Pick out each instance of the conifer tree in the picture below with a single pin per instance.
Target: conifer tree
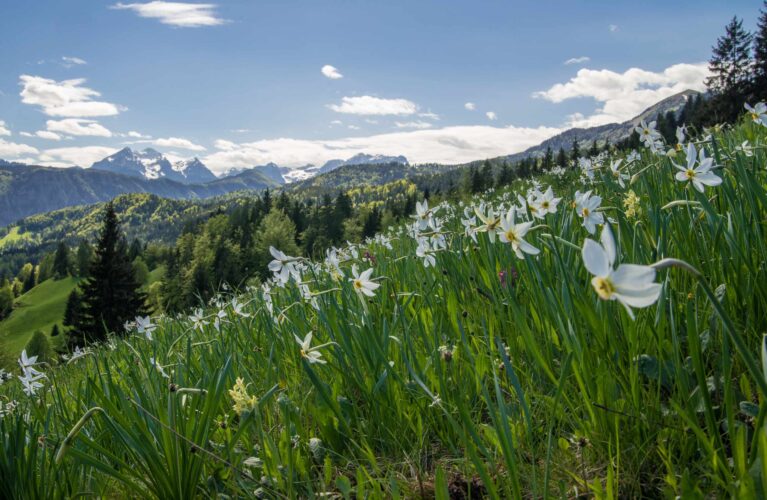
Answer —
(730, 68)
(83, 258)
(72, 310)
(61, 261)
(575, 151)
(562, 158)
(760, 58)
(548, 159)
(110, 295)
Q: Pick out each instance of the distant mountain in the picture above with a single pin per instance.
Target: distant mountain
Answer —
(193, 171)
(27, 190)
(271, 171)
(150, 164)
(612, 132)
(362, 159)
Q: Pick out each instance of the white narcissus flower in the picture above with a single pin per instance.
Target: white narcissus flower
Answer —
(758, 113)
(647, 132)
(514, 233)
(586, 206)
(144, 325)
(630, 284)
(423, 214)
(491, 222)
(547, 203)
(309, 353)
(701, 175)
(619, 176)
(425, 252)
(362, 283)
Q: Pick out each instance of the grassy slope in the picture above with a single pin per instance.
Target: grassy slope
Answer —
(38, 309)
(14, 236)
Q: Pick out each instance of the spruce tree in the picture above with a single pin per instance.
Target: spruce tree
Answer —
(548, 159)
(72, 310)
(562, 158)
(760, 58)
(575, 151)
(61, 261)
(730, 68)
(83, 258)
(110, 295)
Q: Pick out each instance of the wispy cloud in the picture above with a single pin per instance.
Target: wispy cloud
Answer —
(79, 127)
(369, 105)
(578, 60)
(416, 124)
(180, 14)
(331, 72)
(624, 95)
(178, 142)
(491, 115)
(3, 129)
(81, 156)
(470, 106)
(69, 62)
(613, 28)
(64, 98)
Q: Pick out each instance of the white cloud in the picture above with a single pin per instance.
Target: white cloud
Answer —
(177, 142)
(446, 145)
(613, 28)
(417, 125)
(353, 127)
(69, 62)
(429, 115)
(3, 129)
(369, 105)
(224, 145)
(80, 156)
(137, 135)
(64, 98)
(491, 115)
(578, 60)
(47, 134)
(331, 72)
(470, 106)
(625, 95)
(78, 126)
(12, 150)
(26, 134)
(184, 15)
(336, 122)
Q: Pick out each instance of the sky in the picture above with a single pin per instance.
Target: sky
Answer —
(240, 83)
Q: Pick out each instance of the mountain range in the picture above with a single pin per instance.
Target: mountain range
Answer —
(27, 190)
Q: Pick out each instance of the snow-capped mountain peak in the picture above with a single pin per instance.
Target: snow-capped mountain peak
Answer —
(151, 164)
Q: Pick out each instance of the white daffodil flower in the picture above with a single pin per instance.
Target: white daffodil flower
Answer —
(586, 206)
(619, 176)
(758, 113)
(309, 353)
(362, 283)
(514, 233)
(144, 326)
(423, 215)
(647, 133)
(630, 284)
(491, 222)
(701, 175)
(546, 203)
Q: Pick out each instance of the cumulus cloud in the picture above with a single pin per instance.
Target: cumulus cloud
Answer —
(331, 72)
(180, 14)
(417, 125)
(624, 95)
(64, 98)
(178, 142)
(491, 115)
(224, 145)
(13, 151)
(445, 145)
(369, 105)
(4, 129)
(79, 156)
(578, 60)
(78, 126)
(470, 106)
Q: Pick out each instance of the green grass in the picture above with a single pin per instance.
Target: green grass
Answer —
(39, 309)
(449, 380)
(14, 236)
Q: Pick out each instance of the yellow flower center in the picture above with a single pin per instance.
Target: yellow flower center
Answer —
(493, 224)
(604, 287)
(754, 116)
(357, 284)
(585, 212)
(690, 173)
(511, 235)
(545, 204)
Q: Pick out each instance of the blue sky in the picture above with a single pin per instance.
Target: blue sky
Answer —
(240, 83)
